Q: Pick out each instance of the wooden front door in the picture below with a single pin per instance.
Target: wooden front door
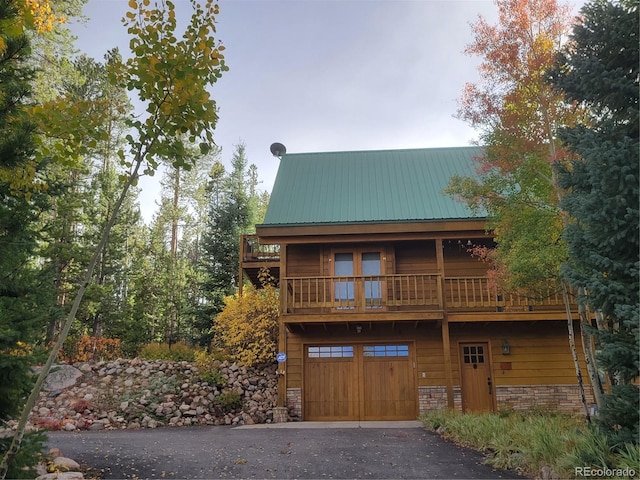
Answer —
(360, 382)
(476, 381)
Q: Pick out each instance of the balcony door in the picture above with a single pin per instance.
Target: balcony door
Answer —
(359, 283)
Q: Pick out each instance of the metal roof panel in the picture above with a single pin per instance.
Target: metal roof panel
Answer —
(369, 186)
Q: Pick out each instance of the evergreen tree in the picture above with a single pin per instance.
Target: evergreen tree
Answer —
(235, 205)
(25, 290)
(105, 298)
(599, 70)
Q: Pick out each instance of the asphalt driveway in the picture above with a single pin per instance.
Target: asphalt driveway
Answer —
(305, 450)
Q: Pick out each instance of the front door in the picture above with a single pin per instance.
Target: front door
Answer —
(476, 381)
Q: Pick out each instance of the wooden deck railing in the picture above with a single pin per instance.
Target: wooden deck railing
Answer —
(477, 292)
(362, 293)
(425, 292)
(254, 251)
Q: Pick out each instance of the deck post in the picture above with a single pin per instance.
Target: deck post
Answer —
(282, 338)
(241, 272)
(446, 342)
(448, 375)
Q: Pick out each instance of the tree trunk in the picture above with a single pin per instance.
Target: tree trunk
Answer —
(173, 314)
(589, 354)
(574, 351)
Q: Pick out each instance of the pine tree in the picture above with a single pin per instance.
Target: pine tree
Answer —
(599, 70)
(25, 290)
(235, 206)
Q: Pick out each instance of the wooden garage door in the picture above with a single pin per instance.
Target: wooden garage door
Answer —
(331, 393)
(388, 383)
(360, 382)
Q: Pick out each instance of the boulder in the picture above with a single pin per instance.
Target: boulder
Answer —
(61, 377)
(62, 476)
(65, 464)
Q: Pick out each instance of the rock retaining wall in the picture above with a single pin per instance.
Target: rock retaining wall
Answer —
(148, 394)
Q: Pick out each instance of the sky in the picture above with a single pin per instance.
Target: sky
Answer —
(325, 75)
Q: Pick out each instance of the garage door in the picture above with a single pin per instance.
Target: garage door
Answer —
(360, 382)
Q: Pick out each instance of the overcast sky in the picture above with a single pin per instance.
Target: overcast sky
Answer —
(326, 75)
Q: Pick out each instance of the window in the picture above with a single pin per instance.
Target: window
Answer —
(334, 351)
(344, 290)
(372, 267)
(473, 354)
(360, 284)
(386, 350)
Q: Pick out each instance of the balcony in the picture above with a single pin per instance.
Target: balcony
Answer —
(255, 257)
(254, 251)
(374, 295)
(394, 296)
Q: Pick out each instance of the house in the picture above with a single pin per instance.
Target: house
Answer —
(384, 311)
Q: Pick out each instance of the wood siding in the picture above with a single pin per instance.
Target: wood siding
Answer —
(304, 261)
(539, 355)
(415, 257)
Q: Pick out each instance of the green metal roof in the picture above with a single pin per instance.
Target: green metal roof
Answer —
(369, 186)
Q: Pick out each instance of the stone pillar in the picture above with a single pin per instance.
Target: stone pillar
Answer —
(280, 415)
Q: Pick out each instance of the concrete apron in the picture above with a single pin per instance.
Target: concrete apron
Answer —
(356, 424)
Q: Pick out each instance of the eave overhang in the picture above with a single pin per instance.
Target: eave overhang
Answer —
(308, 233)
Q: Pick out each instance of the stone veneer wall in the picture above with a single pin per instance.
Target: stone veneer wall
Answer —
(561, 398)
(294, 403)
(434, 398)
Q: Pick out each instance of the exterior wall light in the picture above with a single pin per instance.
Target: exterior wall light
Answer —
(358, 328)
(506, 348)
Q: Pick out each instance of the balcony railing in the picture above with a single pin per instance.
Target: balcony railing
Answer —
(363, 293)
(254, 251)
(477, 292)
(425, 292)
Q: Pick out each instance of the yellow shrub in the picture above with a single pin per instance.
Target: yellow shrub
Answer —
(248, 326)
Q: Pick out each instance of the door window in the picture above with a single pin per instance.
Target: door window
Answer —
(473, 354)
(344, 290)
(372, 268)
(359, 283)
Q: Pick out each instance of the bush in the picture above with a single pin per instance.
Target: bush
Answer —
(532, 442)
(163, 351)
(23, 465)
(85, 348)
(228, 401)
(247, 327)
(208, 368)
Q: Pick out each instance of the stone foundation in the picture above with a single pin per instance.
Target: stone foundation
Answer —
(559, 398)
(435, 398)
(432, 398)
(280, 415)
(294, 403)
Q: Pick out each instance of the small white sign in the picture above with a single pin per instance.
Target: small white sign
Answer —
(281, 357)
